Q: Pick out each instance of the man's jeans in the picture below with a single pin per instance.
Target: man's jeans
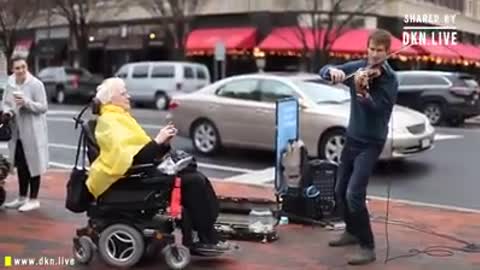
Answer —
(356, 165)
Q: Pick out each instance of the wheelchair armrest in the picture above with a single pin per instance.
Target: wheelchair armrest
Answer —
(141, 168)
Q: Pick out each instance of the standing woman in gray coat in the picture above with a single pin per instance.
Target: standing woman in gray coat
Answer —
(25, 103)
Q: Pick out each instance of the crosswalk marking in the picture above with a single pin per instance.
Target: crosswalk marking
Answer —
(441, 137)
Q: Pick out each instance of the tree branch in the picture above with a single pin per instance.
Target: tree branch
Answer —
(63, 10)
(176, 7)
(15, 14)
(333, 25)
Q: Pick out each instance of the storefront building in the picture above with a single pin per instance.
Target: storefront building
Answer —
(267, 35)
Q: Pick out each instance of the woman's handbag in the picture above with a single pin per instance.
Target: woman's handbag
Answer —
(78, 196)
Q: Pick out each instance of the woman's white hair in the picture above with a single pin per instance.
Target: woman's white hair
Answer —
(107, 89)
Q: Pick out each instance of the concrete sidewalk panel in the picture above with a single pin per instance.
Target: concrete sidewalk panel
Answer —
(48, 232)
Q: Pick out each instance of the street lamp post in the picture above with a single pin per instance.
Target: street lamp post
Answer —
(260, 60)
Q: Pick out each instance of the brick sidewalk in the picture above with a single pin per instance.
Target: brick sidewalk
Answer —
(49, 231)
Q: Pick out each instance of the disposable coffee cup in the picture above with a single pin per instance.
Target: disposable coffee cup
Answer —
(17, 94)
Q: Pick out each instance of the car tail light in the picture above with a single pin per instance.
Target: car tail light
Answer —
(173, 104)
(179, 86)
(75, 81)
(462, 91)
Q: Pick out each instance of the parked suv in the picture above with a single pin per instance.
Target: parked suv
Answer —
(158, 82)
(62, 83)
(444, 97)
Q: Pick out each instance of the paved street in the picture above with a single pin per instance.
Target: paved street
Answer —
(446, 175)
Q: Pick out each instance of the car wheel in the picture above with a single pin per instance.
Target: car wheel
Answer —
(60, 96)
(434, 112)
(331, 145)
(205, 137)
(161, 101)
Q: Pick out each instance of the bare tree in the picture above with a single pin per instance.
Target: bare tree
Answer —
(77, 12)
(177, 15)
(79, 15)
(324, 27)
(14, 16)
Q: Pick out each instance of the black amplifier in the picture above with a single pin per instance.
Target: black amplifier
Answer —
(316, 198)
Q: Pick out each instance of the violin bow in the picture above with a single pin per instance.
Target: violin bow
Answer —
(386, 58)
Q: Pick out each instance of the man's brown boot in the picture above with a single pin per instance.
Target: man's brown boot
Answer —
(364, 256)
(345, 239)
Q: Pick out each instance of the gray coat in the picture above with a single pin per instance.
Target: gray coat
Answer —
(29, 123)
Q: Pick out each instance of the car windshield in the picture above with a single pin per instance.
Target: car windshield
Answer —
(321, 93)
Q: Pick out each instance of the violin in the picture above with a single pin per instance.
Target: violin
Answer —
(364, 76)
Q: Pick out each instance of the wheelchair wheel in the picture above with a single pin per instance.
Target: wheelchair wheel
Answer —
(83, 250)
(121, 245)
(176, 257)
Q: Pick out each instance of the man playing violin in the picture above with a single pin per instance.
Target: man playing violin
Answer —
(373, 89)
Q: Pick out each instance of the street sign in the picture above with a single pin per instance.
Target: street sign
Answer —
(287, 129)
(220, 51)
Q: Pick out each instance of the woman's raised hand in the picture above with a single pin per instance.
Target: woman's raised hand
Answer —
(166, 134)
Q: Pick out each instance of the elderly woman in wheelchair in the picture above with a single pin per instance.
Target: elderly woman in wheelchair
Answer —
(131, 197)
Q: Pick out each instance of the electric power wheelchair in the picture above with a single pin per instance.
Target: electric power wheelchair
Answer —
(134, 218)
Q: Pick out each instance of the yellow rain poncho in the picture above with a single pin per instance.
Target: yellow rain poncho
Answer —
(120, 138)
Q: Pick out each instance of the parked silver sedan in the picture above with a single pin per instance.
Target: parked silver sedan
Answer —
(239, 111)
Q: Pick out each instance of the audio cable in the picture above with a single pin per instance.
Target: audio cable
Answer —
(435, 250)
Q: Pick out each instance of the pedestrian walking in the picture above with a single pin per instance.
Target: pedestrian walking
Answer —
(25, 104)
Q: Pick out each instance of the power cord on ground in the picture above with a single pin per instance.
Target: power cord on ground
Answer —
(433, 251)
(387, 211)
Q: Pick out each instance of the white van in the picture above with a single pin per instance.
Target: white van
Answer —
(157, 82)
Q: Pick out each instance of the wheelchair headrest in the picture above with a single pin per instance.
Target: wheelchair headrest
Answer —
(93, 149)
(88, 129)
(95, 106)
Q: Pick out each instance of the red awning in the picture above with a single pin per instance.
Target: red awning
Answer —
(436, 50)
(355, 42)
(292, 39)
(239, 38)
(22, 47)
(467, 51)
